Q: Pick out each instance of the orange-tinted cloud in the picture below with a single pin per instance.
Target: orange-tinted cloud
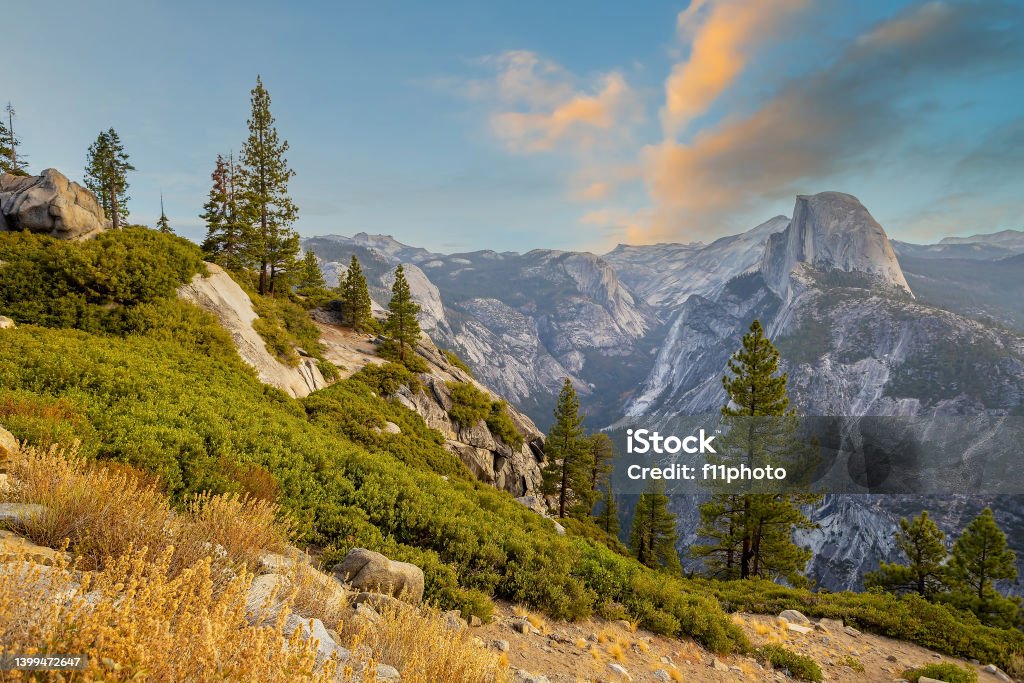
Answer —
(722, 35)
(538, 106)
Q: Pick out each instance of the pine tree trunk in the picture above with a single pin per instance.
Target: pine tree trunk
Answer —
(561, 492)
(115, 217)
(745, 553)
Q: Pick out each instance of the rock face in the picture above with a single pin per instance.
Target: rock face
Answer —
(366, 570)
(49, 203)
(831, 231)
(516, 470)
(219, 294)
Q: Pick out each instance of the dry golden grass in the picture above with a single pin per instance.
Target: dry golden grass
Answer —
(537, 622)
(315, 594)
(675, 674)
(616, 652)
(420, 644)
(102, 511)
(603, 636)
(643, 646)
(581, 643)
(520, 611)
(137, 621)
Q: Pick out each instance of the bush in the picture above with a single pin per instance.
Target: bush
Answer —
(500, 424)
(798, 666)
(470, 405)
(945, 671)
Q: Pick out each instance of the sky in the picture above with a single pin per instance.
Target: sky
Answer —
(577, 124)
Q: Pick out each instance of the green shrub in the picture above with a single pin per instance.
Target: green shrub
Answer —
(799, 667)
(944, 671)
(500, 424)
(469, 404)
(387, 378)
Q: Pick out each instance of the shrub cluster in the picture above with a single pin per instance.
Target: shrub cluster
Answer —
(799, 667)
(943, 671)
(471, 405)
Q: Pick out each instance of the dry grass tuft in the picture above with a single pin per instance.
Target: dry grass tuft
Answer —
(616, 652)
(101, 512)
(139, 621)
(420, 644)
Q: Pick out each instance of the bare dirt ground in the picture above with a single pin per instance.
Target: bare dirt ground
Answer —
(590, 651)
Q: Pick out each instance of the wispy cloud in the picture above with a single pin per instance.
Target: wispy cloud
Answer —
(722, 36)
(535, 105)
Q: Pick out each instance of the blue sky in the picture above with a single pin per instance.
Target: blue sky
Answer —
(468, 125)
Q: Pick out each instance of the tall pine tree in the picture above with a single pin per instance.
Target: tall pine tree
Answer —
(653, 535)
(401, 326)
(566, 474)
(227, 229)
(750, 534)
(923, 545)
(356, 305)
(273, 245)
(106, 174)
(980, 558)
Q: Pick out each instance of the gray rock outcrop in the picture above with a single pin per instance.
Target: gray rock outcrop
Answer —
(831, 231)
(366, 570)
(217, 293)
(49, 203)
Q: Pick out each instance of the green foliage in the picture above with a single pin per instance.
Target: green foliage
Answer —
(285, 326)
(401, 326)
(386, 379)
(607, 517)
(501, 426)
(356, 305)
(923, 544)
(909, 617)
(941, 671)
(653, 535)
(470, 405)
(106, 174)
(565, 474)
(455, 360)
(108, 284)
(980, 558)
(601, 451)
(852, 662)
(800, 667)
(272, 245)
(227, 230)
(11, 159)
(309, 281)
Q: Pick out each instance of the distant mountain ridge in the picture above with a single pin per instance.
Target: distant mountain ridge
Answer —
(865, 327)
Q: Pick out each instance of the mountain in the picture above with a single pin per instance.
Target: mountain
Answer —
(523, 322)
(831, 231)
(1007, 239)
(665, 274)
(865, 326)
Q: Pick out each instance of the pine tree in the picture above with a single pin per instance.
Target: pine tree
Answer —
(356, 305)
(608, 516)
(162, 224)
(401, 326)
(653, 534)
(566, 474)
(226, 227)
(980, 558)
(273, 245)
(11, 160)
(106, 174)
(310, 277)
(601, 452)
(923, 545)
(750, 534)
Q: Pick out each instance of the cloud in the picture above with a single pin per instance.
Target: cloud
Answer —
(841, 118)
(538, 106)
(722, 35)
(593, 192)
